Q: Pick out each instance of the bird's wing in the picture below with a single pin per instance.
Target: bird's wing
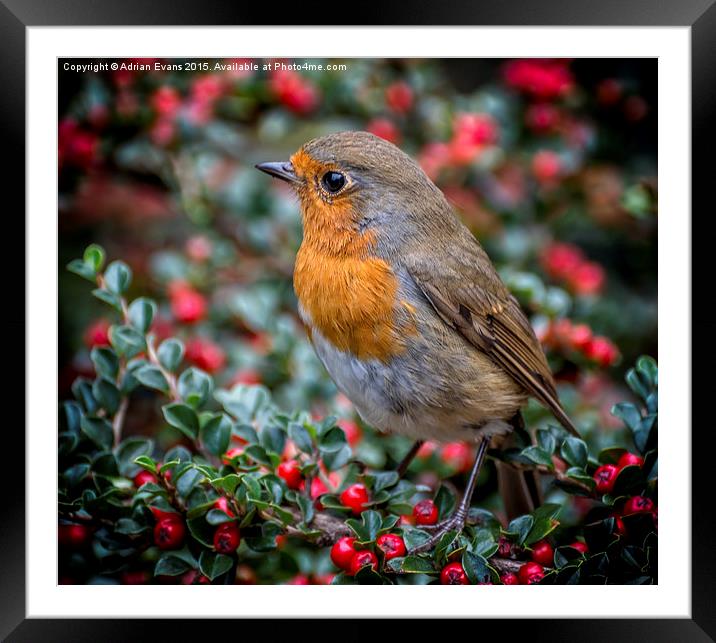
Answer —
(469, 296)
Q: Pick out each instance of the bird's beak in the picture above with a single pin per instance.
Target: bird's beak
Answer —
(281, 170)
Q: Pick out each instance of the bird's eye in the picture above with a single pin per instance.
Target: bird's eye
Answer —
(333, 182)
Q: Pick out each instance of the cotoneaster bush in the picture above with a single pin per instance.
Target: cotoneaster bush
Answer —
(250, 492)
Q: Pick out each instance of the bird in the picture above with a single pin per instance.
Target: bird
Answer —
(407, 312)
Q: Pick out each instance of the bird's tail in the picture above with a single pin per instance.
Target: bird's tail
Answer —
(520, 490)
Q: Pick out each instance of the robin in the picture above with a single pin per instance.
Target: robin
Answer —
(405, 309)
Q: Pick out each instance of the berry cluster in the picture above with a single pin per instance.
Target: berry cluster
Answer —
(567, 263)
(568, 337)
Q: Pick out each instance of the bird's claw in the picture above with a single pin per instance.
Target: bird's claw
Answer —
(456, 522)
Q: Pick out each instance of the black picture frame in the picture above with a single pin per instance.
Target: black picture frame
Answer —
(699, 15)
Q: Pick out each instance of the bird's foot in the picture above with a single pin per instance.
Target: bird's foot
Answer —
(456, 522)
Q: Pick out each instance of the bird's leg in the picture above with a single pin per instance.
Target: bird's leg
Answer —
(459, 517)
(409, 457)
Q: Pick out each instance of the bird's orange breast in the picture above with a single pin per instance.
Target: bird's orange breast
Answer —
(351, 301)
(349, 294)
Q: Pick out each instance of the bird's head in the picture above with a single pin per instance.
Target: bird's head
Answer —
(357, 183)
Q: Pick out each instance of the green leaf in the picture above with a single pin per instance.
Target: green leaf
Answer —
(546, 441)
(146, 462)
(477, 569)
(126, 340)
(98, 430)
(170, 354)
(575, 452)
(649, 370)
(306, 507)
(444, 501)
(141, 313)
(82, 390)
(94, 257)
(538, 456)
(152, 377)
(243, 402)
(411, 565)
(337, 459)
(273, 438)
(382, 479)
(216, 433)
(117, 277)
(129, 450)
(182, 417)
(301, 437)
(107, 394)
(84, 270)
(195, 386)
(629, 414)
(520, 527)
(171, 565)
(637, 383)
(485, 544)
(367, 528)
(106, 363)
(332, 440)
(414, 537)
(108, 298)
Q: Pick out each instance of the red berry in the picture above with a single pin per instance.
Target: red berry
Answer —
(143, 477)
(504, 547)
(638, 505)
(227, 538)
(543, 553)
(343, 551)
(546, 166)
(602, 351)
(561, 259)
(391, 545)
(73, 535)
(629, 460)
(169, 533)
(165, 100)
(134, 577)
(290, 472)
(222, 503)
(587, 279)
(457, 455)
(605, 476)
(453, 574)
(160, 514)
(205, 354)
(362, 559)
(580, 336)
(580, 546)
(530, 573)
(97, 334)
(619, 526)
(385, 129)
(355, 497)
(187, 304)
(233, 452)
(351, 430)
(299, 579)
(509, 578)
(425, 513)
(194, 577)
(399, 97)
